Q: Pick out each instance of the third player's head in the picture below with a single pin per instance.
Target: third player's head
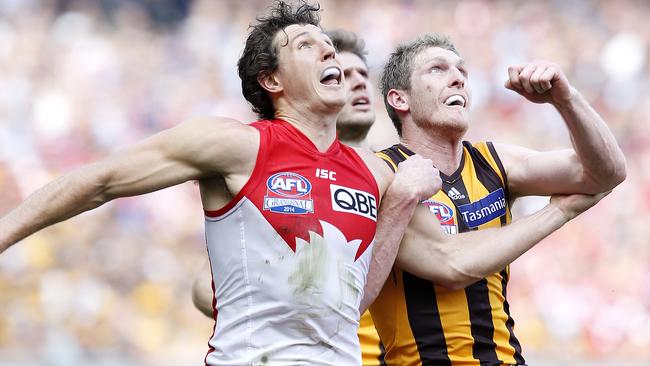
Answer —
(358, 114)
(289, 63)
(424, 85)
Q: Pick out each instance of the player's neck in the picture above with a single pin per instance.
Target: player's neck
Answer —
(319, 128)
(440, 142)
(353, 136)
(445, 153)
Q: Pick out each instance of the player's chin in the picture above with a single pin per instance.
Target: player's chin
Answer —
(458, 121)
(359, 118)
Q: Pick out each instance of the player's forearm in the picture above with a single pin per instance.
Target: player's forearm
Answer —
(395, 212)
(601, 157)
(61, 199)
(477, 254)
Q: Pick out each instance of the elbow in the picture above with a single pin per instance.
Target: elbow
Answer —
(457, 277)
(608, 178)
(614, 176)
(617, 172)
(620, 173)
(458, 282)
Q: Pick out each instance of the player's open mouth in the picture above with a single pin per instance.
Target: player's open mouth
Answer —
(361, 102)
(331, 76)
(455, 101)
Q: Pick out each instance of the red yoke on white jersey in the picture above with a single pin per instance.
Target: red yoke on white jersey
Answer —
(290, 254)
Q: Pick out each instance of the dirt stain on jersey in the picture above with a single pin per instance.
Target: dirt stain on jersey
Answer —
(348, 282)
(308, 279)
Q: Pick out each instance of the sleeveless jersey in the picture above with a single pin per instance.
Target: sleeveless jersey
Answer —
(372, 351)
(290, 255)
(424, 324)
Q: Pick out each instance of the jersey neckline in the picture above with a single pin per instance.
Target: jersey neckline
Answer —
(306, 142)
(450, 179)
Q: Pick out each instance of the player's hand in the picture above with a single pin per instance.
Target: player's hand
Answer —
(540, 82)
(573, 205)
(417, 177)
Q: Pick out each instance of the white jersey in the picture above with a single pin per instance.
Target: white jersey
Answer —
(290, 256)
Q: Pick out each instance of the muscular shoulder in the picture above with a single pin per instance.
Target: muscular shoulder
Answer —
(382, 173)
(216, 143)
(511, 155)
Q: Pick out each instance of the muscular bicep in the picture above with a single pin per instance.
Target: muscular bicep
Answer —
(531, 172)
(193, 150)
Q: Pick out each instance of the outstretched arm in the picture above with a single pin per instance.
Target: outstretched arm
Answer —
(192, 150)
(456, 261)
(595, 164)
(415, 180)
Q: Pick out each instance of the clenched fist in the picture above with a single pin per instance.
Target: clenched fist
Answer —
(417, 177)
(540, 82)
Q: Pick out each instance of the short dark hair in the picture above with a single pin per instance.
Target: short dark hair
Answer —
(345, 41)
(260, 56)
(398, 69)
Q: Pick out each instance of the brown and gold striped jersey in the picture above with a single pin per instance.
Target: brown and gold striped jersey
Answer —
(424, 324)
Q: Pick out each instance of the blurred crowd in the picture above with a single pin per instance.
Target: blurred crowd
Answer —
(81, 79)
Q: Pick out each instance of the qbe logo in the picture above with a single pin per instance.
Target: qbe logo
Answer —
(353, 201)
(288, 193)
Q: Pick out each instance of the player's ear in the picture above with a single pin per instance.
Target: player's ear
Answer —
(270, 82)
(398, 100)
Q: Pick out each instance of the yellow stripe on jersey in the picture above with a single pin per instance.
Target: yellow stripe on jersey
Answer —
(387, 159)
(393, 325)
(424, 324)
(371, 350)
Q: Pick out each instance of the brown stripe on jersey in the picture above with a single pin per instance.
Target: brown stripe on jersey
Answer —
(387, 160)
(404, 151)
(480, 315)
(400, 153)
(394, 155)
(422, 309)
(502, 170)
(510, 323)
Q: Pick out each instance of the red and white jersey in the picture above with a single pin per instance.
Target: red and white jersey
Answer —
(290, 255)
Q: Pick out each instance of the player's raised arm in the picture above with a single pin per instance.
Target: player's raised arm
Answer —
(415, 180)
(193, 150)
(456, 261)
(595, 164)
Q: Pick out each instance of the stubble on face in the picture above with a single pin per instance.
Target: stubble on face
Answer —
(437, 74)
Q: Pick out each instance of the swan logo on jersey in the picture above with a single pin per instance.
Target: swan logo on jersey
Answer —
(288, 193)
(353, 201)
(484, 210)
(445, 215)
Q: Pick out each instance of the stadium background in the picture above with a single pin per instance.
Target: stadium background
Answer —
(79, 79)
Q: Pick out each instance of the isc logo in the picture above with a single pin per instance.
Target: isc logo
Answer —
(353, 201)
(288, 184)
